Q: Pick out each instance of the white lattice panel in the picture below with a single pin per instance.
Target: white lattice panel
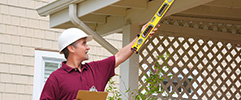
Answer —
(202, 69)
(206, 24)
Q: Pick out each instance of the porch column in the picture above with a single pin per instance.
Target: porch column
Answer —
(129, 69)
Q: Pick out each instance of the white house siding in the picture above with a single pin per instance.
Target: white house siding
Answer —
(22, 31)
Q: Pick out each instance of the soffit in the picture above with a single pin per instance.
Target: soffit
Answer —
(108, 16)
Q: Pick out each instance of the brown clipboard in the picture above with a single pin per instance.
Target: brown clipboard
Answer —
(91, 95)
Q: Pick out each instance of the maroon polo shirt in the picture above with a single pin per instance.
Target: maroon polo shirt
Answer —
(64, 83)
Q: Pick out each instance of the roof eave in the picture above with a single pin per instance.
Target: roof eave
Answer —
(55, 6)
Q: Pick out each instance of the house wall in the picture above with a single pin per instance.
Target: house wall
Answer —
(22, 31)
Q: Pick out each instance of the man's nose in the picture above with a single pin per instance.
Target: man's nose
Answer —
(87, 47)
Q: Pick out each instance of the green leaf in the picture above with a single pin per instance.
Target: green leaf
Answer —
(127, 90)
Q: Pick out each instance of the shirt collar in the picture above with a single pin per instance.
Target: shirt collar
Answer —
(70, 69)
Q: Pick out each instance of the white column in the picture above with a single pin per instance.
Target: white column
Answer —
(130, 68)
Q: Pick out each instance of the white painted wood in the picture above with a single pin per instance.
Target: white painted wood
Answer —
(39, 69)
(139, 16)
(59, 18)
(55, 6)
(182, 5)
(225, 3)
(113, 24)
(136, 4)
(129, 69)
(142, 16)
(92, 18)
(90, 6)
(75, 20)
(199, 33)
(217, 12)
(84, 8)
(110, 10)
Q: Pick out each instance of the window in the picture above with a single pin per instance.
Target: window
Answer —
(50, 65)
(45, 63)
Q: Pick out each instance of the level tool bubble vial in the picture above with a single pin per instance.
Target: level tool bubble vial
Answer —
(169, 1)
(140, 41)
(153, 19)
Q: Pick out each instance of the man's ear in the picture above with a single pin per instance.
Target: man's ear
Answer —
(71, 48)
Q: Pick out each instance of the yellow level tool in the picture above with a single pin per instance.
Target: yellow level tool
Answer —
(152, 24)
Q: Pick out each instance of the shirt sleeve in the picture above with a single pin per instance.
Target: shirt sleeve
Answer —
(103, 70)
(50, 90)
(108, 66)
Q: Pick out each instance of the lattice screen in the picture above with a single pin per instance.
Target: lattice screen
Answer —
(206, 24)
(202, 69)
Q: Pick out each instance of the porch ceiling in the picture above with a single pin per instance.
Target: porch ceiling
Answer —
(217, 9)
(108, 16)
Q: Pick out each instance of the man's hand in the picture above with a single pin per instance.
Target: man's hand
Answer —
(153, 31)
(126, 52)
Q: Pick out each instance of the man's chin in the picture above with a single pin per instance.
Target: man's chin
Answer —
(87, 57)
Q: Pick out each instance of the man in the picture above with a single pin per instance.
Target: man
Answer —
(64, 83)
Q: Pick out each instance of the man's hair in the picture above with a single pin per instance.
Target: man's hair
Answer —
(66, 51)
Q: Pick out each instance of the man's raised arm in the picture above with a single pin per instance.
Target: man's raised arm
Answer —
(126, 52)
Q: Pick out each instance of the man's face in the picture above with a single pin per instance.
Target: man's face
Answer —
(81, 49)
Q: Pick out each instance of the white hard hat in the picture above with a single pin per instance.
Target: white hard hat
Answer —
(71, 35)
